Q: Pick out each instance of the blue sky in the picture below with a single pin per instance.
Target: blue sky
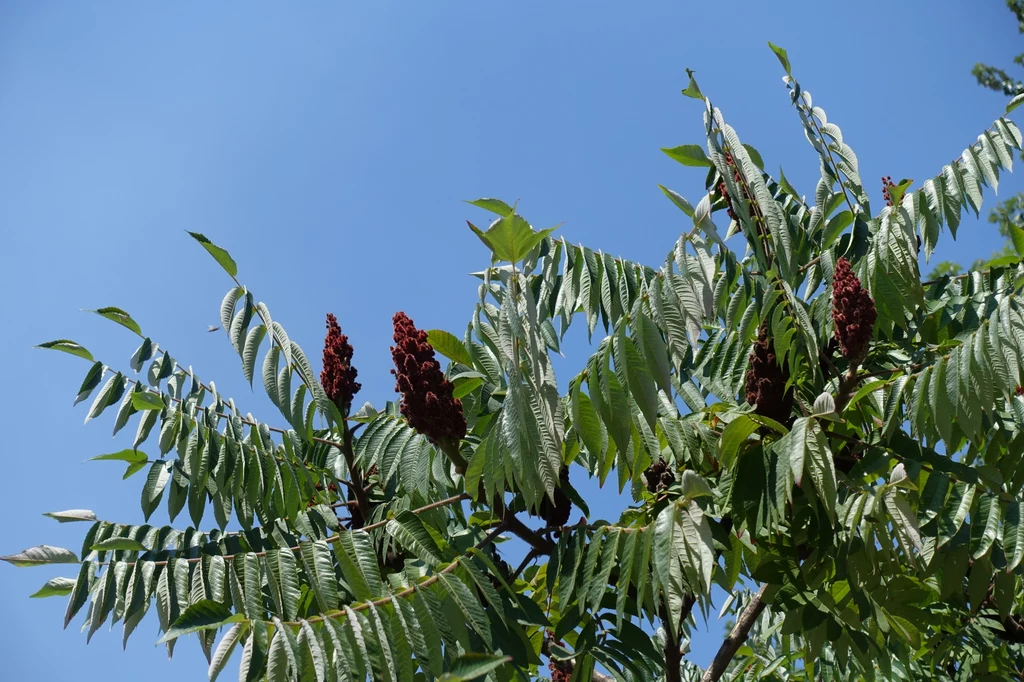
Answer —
(328, 146)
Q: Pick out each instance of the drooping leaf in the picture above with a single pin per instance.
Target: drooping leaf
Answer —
(40, 556)
(782, 55)
(72, 515)
(224, 650)
(121, 317)
(91, 381)
(55, 587)
(220, 255)
(410, 531)
(472, 666)
(130, 455)
(693, 485)
(67, 346)
(156, 481)
(203, 615)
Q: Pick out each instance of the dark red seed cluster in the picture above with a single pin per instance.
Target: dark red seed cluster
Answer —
(561, 671)
(853, 312)
(659, 476)
(886, 184)
(427, 400)
(558, 513)
(1019, 390)
(766, 381)
(338, 377)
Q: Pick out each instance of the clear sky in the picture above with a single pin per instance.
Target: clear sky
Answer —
(328, 145)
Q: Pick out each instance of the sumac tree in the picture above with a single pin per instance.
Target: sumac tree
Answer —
(801, 422)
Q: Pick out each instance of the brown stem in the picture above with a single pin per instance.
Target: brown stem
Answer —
(357, 480)
(530, 556)
(451, 449)
(537, 541)
(846, 388)
(736, 638)
(673, 645)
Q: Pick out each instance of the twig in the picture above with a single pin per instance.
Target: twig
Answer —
(228, 557)
(522, 531)
(673, 645)
(736, 638)
(409, 590)
(530, 556)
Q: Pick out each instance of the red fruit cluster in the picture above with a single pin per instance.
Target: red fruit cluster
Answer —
(659, 477)
(427, 401)
(1019, 390)
(766, 381)
(561, 671)
(886, 184)
(338, 377)
(853, 312)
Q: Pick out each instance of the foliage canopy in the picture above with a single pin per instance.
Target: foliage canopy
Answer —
(798, 419)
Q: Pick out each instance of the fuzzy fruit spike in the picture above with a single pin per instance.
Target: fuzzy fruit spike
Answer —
(766, 381)
(427, 401)
(338, 376)
(853, 312)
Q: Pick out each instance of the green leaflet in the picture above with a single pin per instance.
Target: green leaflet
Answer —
(819, 465)
(222, 257)
(984, 524)
(473, 666)
(224, 650)
(319, 564)
(202, 615)
(40, 556)
(119, 316)
(734, 436)
(409, 530)
(358, 564)
(153, 490)
(67, 346)
(467, 604)
(72, 515)
(55, 587)
(510, 237)
(955, 512)
(448, 345)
